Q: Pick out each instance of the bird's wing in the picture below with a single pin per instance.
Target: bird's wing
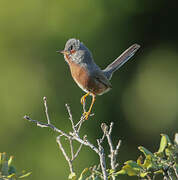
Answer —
(101, 78)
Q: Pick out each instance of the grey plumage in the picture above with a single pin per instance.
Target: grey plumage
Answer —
(84, 56)
(89, 77)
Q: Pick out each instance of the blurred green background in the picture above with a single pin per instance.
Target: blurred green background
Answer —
(143, 102)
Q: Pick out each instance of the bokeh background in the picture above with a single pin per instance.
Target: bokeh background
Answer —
(142, 104)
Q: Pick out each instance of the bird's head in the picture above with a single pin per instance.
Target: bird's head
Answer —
(76, 51)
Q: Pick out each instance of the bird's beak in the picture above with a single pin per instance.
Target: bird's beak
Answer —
(63, 52)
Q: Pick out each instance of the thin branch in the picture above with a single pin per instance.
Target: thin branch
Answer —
(102, 160)
(75, 136)
(79, 124)
(72, 135)
(45, 125)
(148, 177)
(84, 142)
(64, 153)
(113, 152)
(46, 109)
(71, 149)
(77, 152)
(117, 147)
(70, 117)
(175, 170)
(110, 128)
(169, 175)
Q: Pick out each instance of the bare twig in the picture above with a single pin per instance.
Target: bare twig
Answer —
(169, 175)
(117, 147)
(64, 153)
(77, 152)
(102, 160)
(84, 142)
(148, 177)
(46, 109)
(70, 117)
(79, 124)
(74, 135)
(113, 152)
(110, 128)
(82, 119)
(43, 125)
(175, 170)
(71, 149)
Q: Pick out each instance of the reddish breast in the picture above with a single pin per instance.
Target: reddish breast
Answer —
(87, 83)
(79, 74)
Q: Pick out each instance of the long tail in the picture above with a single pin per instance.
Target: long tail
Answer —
(121, 60)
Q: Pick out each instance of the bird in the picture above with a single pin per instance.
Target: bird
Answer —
(87, 74)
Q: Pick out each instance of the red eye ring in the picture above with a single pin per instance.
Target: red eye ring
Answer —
(72, 51)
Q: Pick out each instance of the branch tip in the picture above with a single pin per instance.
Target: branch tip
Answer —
(44, 98)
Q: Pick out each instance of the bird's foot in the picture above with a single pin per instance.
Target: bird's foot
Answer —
(82, 100)
(86, 115)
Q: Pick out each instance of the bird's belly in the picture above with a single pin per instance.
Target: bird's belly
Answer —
(87, 83)
(81, 86)
(80, 75)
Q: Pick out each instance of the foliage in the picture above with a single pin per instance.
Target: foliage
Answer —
(164, 161)
(7, 171)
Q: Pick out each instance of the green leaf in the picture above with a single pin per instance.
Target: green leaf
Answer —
(122, 171)
(163, 143)
(131, 171)
(143, 174)
(167, 137)
(133, 164)
(72, 176)
(158, 172)
(145, 151)
(83, 172)
(10, 160)
(25, 175)
(139, 160)
(150, 162)
(147, 163)
(131, 168)
(11, 175)
(169, 153)
(111, 171)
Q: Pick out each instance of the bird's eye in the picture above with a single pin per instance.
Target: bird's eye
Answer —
(71, 47)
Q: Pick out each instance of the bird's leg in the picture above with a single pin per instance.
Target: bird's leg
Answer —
(86, 114)
(83, 98)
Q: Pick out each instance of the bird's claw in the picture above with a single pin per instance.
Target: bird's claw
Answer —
(82, 100)
(86, 115)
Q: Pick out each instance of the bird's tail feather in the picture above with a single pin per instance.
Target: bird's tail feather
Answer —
(121, 60)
